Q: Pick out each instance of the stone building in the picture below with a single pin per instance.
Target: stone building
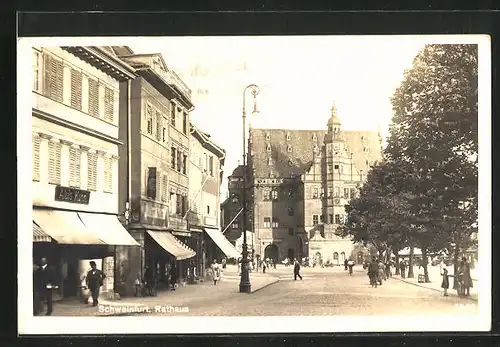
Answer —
(75, 127)
(206, 173)
(156, 187)
(300, 181)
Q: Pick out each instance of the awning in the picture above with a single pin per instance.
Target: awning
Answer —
(171, 244)
(65, 227)
(108, 228)
(220, 240)
(39, 235)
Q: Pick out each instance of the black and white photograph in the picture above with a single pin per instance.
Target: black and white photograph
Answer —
(217, 184)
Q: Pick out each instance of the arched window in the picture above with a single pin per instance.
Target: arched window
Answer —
(290, 162)
(268, 148)
(268, 137)
(288, 137)
(270, 162)
(289, 148)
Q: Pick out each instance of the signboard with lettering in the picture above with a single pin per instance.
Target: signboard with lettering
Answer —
(72, 195)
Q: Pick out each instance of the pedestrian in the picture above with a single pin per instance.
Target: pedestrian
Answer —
(150, 281)
(224, 261)
(402, 267)
(466, 279)
(274, 263)
(173, 275)
(95, 279)
(381, 272)
(372, 272)
(350, 265)
(345, 264)
(264, 266)
(216, 271)
(388, 269)
(445, 284)
(45, 279)
(36, 296)
(296, 270)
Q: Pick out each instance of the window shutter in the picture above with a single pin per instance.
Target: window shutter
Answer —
(108, 104)
(36, 70)
(164, 187)
(149, 118)
(108, 175)
(54, 162)
(36, 158)
(76, 89)
(93, 97)
(54, 70)
(92, 171)
(72, 167)
(159, 118)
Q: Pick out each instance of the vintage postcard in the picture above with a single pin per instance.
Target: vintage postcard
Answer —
(254, 184)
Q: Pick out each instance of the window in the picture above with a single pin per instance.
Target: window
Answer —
(266, 194)
(337, 192)
(315, 193)
(173, 151)
(330, 191)
(76, 89)
(53, 83)
(346, 193)
(164, 186)
(352, 193)
(184, 164)
(337, 219)
(335, 256)
(288, 137)
(109, 104)
(268, 137)
(151, 183)
(208, 209)
(36, 70)
(36, 158)
(173, 203)
(149, 119)
(75, 159)
(92, 171)
(184, 123)
(321, 218)
(54, 162)
(159, 126)
(93, 97)
(267, 222)
(274, 194)
(314, 137)
(179, 161)
(211, 165)
(290, 231)
(172, 113)
(270, 161)
(330, 218)
(275, 222)
(235, 225)
(164, 131)
(315, 219)
(290, 162)
(290, 211)
(289, 148)
(336, 167)
(108, 175)
(268, 148)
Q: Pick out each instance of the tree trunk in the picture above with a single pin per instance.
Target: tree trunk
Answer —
(424, 264)
(410, 264)
(397, 263)
(455, 265)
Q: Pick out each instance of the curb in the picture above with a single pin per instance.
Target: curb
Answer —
(434, 289)
(266, 285)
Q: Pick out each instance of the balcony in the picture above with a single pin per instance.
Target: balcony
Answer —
(176, 222)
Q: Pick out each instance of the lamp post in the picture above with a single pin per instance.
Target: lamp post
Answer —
(245, 286)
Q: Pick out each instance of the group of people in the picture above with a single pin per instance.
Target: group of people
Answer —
(147, 285)
(45, 282)
(348, 264)
(378, 271)
(463, 279)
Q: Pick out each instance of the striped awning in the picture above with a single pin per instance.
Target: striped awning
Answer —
(39, 235)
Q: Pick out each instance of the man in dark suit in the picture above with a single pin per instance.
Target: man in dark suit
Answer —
(45, 279)
(95, 278)
(296, 270)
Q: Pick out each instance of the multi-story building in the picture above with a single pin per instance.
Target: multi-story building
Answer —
(299, 182)
(206, 163)
(75, 125)
(157, 187)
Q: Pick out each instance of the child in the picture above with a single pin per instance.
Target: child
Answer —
(446, 283)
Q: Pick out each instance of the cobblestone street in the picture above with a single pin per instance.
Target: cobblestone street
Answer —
(323, 291)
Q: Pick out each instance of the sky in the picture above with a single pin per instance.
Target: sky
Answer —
(299, 77)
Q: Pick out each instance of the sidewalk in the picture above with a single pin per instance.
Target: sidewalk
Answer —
(435, 284)
(184, 296)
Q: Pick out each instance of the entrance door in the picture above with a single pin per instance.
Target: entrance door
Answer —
(291, 254)
(271, 252)
(318, 259)
(335, 258)
(342, 257)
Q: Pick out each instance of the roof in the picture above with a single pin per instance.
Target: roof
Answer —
(302, 143)
(239, 171)
(205, 140)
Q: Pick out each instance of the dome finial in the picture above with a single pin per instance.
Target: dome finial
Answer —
(334, 110)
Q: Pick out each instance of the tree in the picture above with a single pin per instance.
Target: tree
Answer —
(434, 138)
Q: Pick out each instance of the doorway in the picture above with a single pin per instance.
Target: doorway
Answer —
(291, 254)
(271, 252)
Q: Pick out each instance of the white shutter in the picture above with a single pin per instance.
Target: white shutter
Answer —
(54, 71)
(108, 175)
(54, 162)
(36, 158)
(92, 171)
(159, 119)
(75, 159)
(93, 98)
(164, 189)
(76, 89)
(109, 100)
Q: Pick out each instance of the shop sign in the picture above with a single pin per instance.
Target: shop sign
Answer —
(72, 195)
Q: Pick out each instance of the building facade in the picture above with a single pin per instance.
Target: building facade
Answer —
(299, 182)
(75, 154)
(207, 161)
(156, 190)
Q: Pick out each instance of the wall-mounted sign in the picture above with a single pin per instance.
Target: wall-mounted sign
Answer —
(72, 195)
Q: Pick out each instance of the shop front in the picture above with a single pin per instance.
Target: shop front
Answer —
(71, 239)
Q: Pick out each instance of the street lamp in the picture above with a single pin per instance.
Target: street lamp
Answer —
(245, 286)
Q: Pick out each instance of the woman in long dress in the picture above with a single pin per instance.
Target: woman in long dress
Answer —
(216, 272)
